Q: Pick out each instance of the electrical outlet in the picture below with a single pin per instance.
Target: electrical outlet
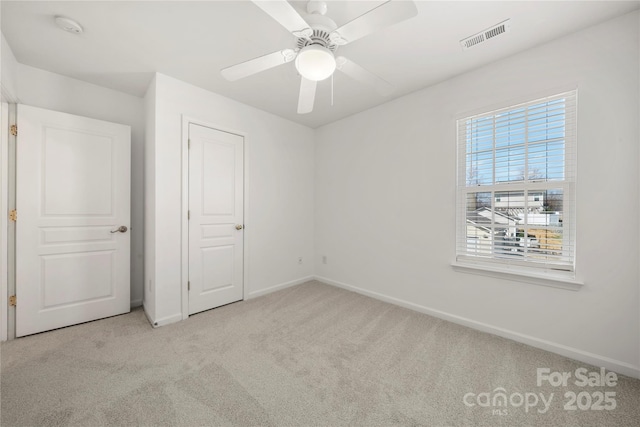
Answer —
(300, 260)
(324, 259)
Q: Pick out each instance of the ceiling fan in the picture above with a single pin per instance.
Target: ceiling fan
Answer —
(317, 40)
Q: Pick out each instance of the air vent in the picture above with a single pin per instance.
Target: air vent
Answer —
(485, 35)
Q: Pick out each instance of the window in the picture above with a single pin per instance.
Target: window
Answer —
(516, 187)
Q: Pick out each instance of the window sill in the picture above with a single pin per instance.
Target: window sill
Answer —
(554, 281)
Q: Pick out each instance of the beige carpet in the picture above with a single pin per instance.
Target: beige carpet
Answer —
(311, 355)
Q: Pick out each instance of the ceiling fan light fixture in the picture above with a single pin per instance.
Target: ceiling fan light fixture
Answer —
(315, 63)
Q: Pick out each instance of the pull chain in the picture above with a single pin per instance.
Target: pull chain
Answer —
(332, 90)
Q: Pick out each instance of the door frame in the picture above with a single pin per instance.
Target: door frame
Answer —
(184, 229)
(4, 222)
(8, 202)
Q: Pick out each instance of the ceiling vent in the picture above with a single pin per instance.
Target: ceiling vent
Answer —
(485, 35)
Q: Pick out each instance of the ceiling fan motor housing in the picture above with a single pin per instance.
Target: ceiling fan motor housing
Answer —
(322, 27)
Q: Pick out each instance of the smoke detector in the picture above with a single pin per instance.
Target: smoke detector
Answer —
(485, 35)
(68, 25)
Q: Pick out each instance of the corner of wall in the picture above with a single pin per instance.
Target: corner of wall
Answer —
(8, 87)
(148, 299)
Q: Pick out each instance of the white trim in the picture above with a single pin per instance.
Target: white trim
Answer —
(168, 320)
(11, 226)
(136, 303)
(246, 234)
(566, 185)
(537, 278)
(184, 275)
(4, 222)
(284, 285)
(563, 350)
(184, 227)
(516, 101)
(163, 321)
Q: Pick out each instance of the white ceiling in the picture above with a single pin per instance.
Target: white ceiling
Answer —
(125, 42)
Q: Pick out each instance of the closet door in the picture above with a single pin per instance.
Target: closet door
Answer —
(216, 212)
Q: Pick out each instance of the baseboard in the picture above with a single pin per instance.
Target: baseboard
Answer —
(162, 321)
(136, 303)
(570, 352)
(270, 289)
(178, 317)
(167, 320)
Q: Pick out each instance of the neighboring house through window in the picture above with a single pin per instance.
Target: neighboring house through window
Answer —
(516, 187)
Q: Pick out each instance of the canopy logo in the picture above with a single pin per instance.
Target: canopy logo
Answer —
(499, 401)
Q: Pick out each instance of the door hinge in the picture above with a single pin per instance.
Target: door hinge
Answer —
(12, 301)
(13, 215)
(14, 130)
(188, 286)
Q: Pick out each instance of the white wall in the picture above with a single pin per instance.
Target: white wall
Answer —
(8, 72)
(385, 199)
(44, 89)
(279, 189)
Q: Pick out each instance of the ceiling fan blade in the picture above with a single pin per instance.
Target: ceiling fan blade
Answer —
(356, 72)
(285, 15)
(307, 95)
(389, 13)
(258, 64)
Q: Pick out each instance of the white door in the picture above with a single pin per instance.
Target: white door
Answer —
(216, 212)
(72, 197)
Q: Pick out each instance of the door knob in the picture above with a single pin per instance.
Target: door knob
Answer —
(239, 227)
(121, 229)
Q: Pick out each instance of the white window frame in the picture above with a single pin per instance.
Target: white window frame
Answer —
(550, 274)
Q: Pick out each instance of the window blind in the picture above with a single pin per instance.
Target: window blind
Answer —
(516, 185)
